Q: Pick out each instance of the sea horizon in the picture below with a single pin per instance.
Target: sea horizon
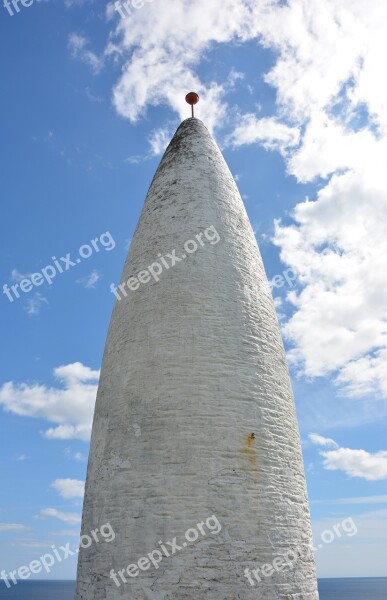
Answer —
(330, 588)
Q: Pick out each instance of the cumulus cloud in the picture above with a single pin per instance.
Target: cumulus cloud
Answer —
(161, 49)
(330, 124)
(337, 243)
(365, 375)
(69, 488)
(357, 463)
(269, 132)
(70, 406)
(338, 248)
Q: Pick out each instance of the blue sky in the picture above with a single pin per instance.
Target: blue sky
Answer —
(293, 94)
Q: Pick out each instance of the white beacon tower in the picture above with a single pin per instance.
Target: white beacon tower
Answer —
(195, 451)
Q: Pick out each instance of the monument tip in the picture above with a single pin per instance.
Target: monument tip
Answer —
(192, 98)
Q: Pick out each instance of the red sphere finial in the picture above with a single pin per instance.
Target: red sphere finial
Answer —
(192, 98)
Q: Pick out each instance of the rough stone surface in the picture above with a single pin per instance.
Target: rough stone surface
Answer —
(194, 365)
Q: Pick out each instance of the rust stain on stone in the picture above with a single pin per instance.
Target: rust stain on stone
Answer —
(249, 449)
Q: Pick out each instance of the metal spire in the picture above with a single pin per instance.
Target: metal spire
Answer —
(192, 98)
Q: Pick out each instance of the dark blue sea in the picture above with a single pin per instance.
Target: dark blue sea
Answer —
(330, 589)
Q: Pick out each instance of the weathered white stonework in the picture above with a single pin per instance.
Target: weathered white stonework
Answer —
(190, 361)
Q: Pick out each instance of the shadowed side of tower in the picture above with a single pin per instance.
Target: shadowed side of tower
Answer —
(195, 415)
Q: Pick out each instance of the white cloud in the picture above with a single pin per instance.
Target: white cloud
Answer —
(159, 140)
(76, 455)
(365, 375)
(269, 132)
(21, 457)
(30, 543)
(337, 243)
(330, 122)
(79, 456)
(161, 48)
(34, 304)
(17, 276)
(66, 533)
(356, 500)
(329, 145)
(12, 527)
(278, 303)
(71, 518)
(77, 3)
(78, 50)
(357, 463)
(70, 407)
(91, 280)
(93, 97)
(69, 488)
(136, 159)
(338, 248)
(319, 440)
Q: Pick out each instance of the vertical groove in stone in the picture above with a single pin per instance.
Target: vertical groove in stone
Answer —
(193, 365)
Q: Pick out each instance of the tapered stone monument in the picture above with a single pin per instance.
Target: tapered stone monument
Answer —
(195, 452)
